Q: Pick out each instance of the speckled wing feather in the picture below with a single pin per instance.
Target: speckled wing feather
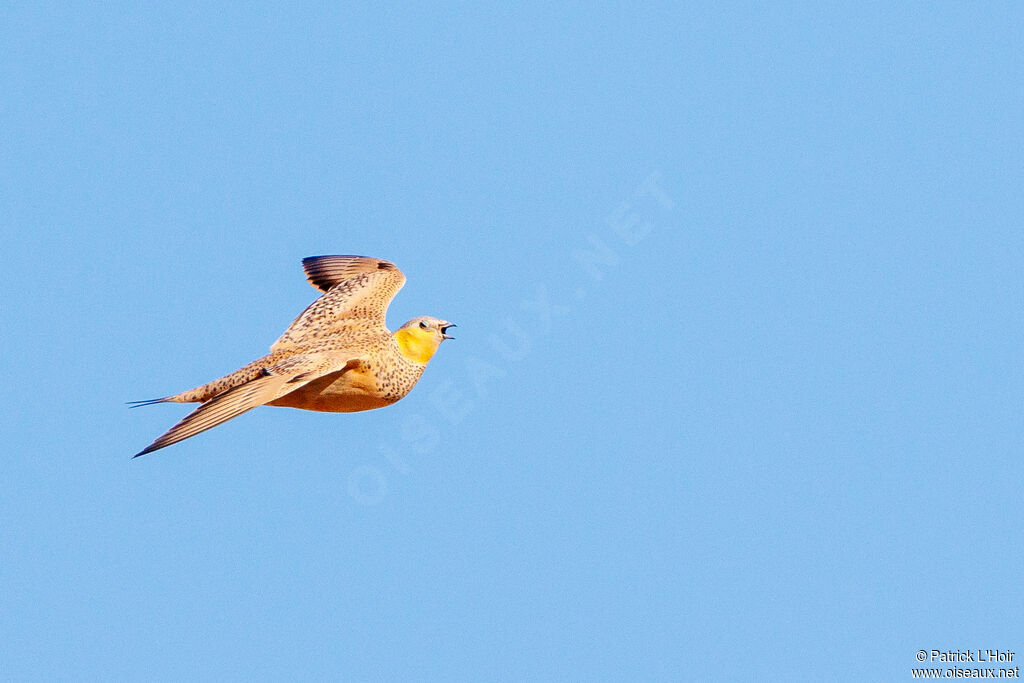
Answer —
(358, 292)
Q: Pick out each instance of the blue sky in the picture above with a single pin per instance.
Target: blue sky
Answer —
(736, 386)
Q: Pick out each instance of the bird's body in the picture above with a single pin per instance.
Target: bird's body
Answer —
(337, 356)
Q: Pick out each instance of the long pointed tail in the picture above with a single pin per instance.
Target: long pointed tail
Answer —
(147, 402)
(205, 392)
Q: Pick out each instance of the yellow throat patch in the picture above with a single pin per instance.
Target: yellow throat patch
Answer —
(417, 345)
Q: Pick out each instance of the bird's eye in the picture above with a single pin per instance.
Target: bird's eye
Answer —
(423, 325)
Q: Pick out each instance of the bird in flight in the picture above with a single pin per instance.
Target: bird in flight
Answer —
(338, 356)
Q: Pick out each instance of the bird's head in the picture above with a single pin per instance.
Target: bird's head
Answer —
(419, 338)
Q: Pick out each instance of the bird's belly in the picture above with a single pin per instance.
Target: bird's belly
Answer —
(346, 392)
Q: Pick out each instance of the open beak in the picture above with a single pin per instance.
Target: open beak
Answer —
(444, 331)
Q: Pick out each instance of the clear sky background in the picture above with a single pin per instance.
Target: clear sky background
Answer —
(736, 389)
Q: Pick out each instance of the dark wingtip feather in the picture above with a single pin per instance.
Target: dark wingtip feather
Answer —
(326, 271)
(156, 445)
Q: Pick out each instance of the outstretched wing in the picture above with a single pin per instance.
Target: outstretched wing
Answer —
(358, 292)
(283, 377)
